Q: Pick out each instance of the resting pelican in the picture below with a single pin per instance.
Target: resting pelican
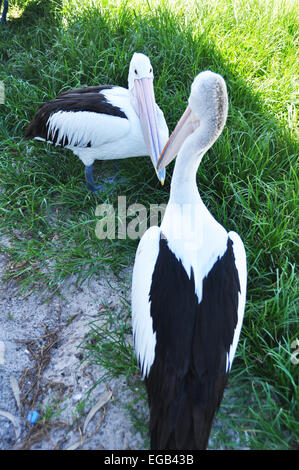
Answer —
(188, 288)
(106, 122)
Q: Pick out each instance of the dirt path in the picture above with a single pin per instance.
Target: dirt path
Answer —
(40, 335)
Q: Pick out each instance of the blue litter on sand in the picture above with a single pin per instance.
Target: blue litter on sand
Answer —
(32, 417)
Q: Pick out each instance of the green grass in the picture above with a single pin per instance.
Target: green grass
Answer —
(248, 180)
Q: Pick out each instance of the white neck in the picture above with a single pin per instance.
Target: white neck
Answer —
(183, 184)
(193, 234)
(209, 103)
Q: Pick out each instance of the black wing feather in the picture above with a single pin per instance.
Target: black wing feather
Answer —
(79, 99)
(187, 379)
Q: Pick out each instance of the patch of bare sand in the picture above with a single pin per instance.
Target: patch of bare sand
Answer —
(40, 338)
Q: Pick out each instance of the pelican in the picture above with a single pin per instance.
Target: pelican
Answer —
(188, 287)
(106, 122)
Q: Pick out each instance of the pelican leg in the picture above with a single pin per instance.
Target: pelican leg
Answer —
(90, 182)
(89, 179)
(4, 13)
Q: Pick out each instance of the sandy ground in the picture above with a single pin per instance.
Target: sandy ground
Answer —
(40, 338)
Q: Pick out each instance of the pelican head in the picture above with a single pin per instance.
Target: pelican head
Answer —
(140, 67)
(141, 87)
(203, 120)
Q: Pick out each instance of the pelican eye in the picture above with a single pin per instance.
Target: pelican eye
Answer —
(136, 73)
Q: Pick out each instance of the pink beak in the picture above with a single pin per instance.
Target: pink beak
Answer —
(145, 106)
(187, 124)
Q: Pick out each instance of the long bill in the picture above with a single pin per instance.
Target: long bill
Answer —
(187, 124)
(145, 104)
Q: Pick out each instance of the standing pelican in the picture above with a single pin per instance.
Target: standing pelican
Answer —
(189, 287)
(106, 122)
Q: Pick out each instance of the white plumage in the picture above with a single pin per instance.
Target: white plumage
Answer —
(188, 287)
(106, 122)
